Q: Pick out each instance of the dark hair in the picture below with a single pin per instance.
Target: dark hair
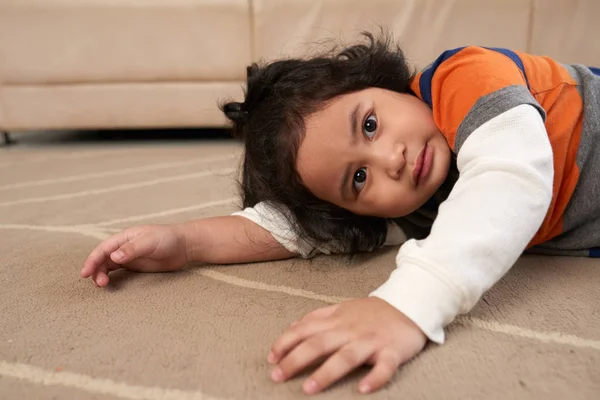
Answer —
(278, 98)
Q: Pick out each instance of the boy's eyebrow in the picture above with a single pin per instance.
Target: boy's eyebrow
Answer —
(353, 133)
(354, 122)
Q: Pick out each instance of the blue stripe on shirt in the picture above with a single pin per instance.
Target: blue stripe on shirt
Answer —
(427, 75)
(595, 252)
(513, 56)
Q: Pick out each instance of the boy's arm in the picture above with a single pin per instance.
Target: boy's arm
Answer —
(161, 248)
(230, 240)
(493, 212)
(260, 233)
(278, 221)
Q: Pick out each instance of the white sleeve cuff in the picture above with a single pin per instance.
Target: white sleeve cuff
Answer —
(278, 224)
(420, 292)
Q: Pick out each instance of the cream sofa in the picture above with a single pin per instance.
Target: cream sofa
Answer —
(167, 63)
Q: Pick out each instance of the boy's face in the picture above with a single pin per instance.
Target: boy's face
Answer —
(374, 152)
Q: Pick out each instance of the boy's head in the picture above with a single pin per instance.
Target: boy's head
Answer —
(373, 152)
(337, 140)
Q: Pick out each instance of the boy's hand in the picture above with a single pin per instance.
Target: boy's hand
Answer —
(149, 248)
(347, 335)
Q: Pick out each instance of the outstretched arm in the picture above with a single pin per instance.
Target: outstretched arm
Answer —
(161, 248)
(229, 240)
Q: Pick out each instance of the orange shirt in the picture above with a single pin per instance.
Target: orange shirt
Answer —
(468, 86)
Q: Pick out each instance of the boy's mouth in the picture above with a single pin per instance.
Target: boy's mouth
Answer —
(422, 164)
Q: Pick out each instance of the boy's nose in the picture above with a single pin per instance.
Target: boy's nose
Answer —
(393, 159)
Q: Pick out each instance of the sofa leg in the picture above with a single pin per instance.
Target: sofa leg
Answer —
(7, 139)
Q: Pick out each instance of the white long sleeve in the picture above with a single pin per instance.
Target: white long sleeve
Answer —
(276, 222)
(494, 210)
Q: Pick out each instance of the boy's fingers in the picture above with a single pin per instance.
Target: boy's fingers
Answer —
(345, 360)
(294, 336)
(94, 260)
(100, 275)
(101, 278)
(386, 366)
(307, 353)
(132, 249)
(101, 253)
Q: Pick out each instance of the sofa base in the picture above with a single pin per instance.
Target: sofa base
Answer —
(116, 105)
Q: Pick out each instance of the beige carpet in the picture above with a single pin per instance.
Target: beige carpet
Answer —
(204, 333)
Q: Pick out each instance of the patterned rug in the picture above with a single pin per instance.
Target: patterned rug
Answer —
(204, 332)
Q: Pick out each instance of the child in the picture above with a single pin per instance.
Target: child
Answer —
(351, 151)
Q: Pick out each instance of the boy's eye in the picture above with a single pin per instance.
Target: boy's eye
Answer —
(370, 126)
(360, 177)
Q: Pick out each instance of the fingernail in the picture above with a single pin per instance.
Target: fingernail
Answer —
(118, 255)
(271, 358)
(277, 375)
(310, 386)
(364, 388)
(294, 323)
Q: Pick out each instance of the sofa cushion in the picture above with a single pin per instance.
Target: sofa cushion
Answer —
(567, 30)
(73, 41)
(424, 28)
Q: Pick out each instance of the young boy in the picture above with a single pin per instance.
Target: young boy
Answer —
(484, 154)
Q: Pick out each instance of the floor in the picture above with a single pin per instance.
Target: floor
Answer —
(204, 332)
